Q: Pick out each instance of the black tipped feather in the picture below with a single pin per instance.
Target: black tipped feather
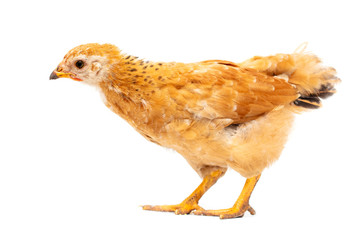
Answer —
(312, 101)
(305, 103)
(326, 91)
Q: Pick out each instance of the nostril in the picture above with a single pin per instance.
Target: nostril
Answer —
(59, 69)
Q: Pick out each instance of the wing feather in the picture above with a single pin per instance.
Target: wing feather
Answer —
(217, 89)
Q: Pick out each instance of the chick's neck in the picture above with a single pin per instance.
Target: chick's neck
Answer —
(134, 78)
(129, 89)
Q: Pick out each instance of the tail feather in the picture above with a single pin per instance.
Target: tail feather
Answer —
(304, 70)
(313, 80)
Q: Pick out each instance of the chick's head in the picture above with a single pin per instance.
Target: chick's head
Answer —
(89, 63)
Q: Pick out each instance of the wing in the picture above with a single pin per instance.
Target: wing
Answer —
(217, 90)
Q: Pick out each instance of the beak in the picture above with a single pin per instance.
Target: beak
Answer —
(55, 75)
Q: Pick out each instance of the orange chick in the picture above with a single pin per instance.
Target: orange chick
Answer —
(217, 114)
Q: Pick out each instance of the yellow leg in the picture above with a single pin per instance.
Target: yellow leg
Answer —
(190, 203)
(241, 205)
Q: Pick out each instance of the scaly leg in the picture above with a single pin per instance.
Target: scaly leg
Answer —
(191, 202)
(241, 205)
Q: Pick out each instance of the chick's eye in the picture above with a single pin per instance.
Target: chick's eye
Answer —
(79, 64)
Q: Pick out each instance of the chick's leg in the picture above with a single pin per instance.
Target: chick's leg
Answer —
(241, 205)
(191, 202)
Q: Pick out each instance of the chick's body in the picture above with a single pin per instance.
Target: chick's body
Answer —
(194, 109)
(217, 114)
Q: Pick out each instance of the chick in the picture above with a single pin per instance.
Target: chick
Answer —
(217, 114)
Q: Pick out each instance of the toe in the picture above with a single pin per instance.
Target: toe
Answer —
(160, 208)
(251, 211)
(225, 213)
(231, 215)
(179, 209)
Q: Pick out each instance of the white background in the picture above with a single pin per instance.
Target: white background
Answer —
(71, 169)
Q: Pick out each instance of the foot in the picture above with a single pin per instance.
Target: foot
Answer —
(191, 202)
(182, 208)
(227, 213)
